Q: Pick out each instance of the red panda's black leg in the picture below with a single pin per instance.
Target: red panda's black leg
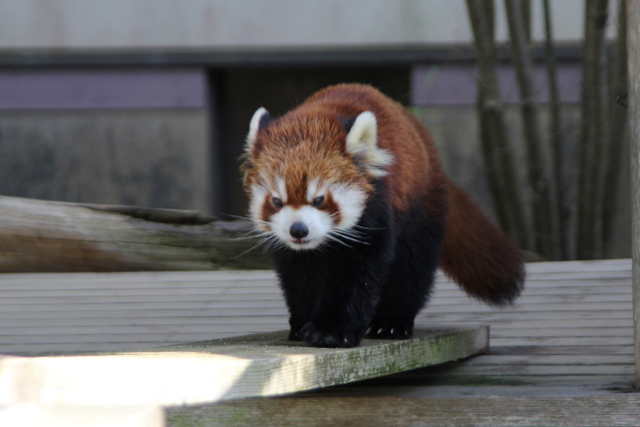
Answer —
(332, 295)
(342, 314)
(409, 283)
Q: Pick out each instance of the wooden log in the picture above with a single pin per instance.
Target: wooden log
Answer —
(43, 236)
(210, 371)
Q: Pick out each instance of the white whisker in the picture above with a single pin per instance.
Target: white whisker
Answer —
(249, 250)
(335, 239)
(348, 237)
(368, 228)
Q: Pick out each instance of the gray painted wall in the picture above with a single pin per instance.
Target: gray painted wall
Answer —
(144, 24)
(155, 158)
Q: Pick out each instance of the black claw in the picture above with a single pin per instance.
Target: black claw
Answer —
(316, 337)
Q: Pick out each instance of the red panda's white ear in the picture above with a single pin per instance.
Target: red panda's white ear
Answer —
(362, 143)
(260, 119)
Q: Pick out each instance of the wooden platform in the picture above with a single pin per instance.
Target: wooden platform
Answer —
(225, 369)
(567, 343)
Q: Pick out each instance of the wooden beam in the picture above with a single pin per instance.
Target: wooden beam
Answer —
(210, 371)
(633, 46)
(43, 236)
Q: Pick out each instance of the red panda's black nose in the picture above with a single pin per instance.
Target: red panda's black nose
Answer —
(298, 230)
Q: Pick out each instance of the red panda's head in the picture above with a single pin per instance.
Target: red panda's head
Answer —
(309, 175)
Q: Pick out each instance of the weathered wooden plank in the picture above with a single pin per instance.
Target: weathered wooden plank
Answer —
(428, 384)
(220, 295)
(607, 411)
(555, 359)
(580, 275)
(195, 332)
(572, 323)
(556, 327)
(155, 321)
(579, 266)
(563, 341)
(12, 326)
(506, 317)
(478, 387)
(224, 290)
(556, 371)
(568, 333)
(447, 317)
(38, 415)
(561, 350)
(536, 278)
(259, 365)
(277, 303)
(143, 278)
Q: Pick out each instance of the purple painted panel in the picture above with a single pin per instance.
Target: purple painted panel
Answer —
(82, 89)
(456, 84)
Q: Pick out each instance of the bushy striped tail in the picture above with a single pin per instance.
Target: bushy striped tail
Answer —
(477, 255)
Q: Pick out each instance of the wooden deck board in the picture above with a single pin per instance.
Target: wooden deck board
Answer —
(570, 310)
(444, 412)
(215, 370)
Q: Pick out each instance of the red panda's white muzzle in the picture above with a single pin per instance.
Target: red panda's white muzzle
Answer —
(308, 226)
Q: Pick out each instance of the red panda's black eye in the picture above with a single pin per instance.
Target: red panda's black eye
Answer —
(318, 201)
(277, 202)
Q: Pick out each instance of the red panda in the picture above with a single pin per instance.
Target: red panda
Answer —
(349, 194)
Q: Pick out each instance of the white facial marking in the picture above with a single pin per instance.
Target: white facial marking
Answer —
(351, 202)
(258, 194)
(282, 190)
(318, 223)
(312, 189)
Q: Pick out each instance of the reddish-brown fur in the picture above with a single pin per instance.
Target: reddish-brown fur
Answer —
(476, 254)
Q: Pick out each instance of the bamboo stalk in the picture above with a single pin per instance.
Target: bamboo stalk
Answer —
(590, 230)
(555, 133)
(496, 151)
(546, 230)
(618, 129)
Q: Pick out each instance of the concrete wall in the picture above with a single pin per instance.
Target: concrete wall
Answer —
(115, 137)
(143, 158)
(143, 24)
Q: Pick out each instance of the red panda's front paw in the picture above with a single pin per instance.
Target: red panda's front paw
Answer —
(316, 337)
(294, 335)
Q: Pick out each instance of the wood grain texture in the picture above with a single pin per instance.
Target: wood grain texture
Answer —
(566, 344)
(38, 415)
(209, 371)
(41, 236)
(607, 411)
(633, 37)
